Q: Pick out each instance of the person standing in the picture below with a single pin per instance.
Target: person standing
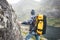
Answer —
(32, 30)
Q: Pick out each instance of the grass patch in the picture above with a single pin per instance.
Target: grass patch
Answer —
(53, 21)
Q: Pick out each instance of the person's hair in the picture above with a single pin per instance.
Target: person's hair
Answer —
(33, 12)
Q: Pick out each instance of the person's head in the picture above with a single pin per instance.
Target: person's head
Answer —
(33, 12)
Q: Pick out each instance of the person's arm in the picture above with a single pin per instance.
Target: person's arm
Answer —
(27, 22)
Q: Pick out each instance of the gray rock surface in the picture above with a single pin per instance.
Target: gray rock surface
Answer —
(9, 30)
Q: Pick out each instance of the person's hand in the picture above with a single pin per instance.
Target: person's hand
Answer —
(18, 23)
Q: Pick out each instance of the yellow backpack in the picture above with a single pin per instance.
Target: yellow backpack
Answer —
(40, 24)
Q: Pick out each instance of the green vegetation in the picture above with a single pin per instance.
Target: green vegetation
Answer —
(53, 22)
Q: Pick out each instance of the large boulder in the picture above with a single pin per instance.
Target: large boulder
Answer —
(9, 30)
